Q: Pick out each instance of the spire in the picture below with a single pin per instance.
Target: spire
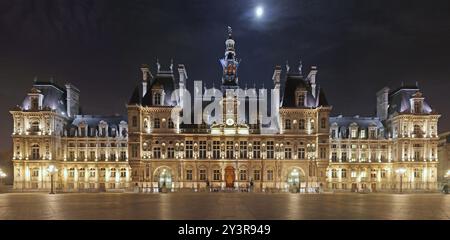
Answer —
(158, 66)
(171, 65)
(229, 63)
(287, 66)
(300, 68)
(35, 79)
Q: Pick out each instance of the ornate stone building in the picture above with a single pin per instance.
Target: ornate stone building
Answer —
(301, 149)
(90, 152)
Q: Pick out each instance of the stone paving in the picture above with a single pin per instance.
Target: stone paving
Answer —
(262, 206)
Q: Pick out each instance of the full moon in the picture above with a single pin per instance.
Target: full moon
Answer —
(259, 11)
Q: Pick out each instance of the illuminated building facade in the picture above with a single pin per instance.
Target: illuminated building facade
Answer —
(155, 149)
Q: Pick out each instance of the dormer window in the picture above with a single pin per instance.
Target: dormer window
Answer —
(363, 133)
(171, 125)
(157, 99)
(300, 96)
(34, 103)
(372, 133)
(417, 106)
(353, 133)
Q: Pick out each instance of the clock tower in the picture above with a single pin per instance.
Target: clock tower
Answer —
(229, 64)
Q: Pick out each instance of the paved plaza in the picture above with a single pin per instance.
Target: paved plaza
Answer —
(223, 206)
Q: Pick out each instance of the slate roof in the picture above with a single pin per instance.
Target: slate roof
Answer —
(399, 100)
(55, 97)
(294, 81)
(93, 121)
(165, 79)
(344, 123)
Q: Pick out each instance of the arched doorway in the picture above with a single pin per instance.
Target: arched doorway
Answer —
(229, 176)
(164, 178)
(294, 179)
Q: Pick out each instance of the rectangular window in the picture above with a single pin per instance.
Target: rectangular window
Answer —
(270, 150)
(134, 151)
(230, 150)
(189, 174)
(189, 151)
(243, 149)
(243, 175)
(301, 124)
(134, 121)
(269, 175)
(202, 150)
(82, 155)
(288, 153)
(344, 156)
(353, 133)
(287, 124)
(216, 174)
(202, 175)
(216, 149)
(323, 153)
(71, 156)
(170, 152)
(156, 123)
(157, 153)
(344, 173)
(123, 156)
(256, 149)
(257, 175)
(301, 153)
(334, 156)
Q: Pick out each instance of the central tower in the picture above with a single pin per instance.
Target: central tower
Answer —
(230, 64)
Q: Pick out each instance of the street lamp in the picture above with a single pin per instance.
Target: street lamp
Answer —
(2, 175)
(52, 170)
(401, 172)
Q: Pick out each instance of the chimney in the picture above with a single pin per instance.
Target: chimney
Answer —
(73, 100)
(383, 103)
(145, 78)
(276, 76)
(312, 80)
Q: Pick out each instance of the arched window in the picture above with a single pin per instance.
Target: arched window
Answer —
(81, 173)
(123, 172)
(113, 172)
(35, 152)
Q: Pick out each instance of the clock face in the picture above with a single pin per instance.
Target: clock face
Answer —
(230, 121)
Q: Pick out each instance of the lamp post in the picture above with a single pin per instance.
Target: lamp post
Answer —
(52, 170)
(2, 175)
(401, 172)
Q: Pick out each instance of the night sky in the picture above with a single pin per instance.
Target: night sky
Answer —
(359, 47)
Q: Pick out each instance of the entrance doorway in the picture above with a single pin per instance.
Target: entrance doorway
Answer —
(229, 177)
(293, 180)
(374, 187)
(165, 179)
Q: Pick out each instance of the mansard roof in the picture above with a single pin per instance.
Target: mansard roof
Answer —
(343, 124)
(296, 81)
(92, 122)
(55, 97)
(399, 100)
(164, 80)
(362, 122)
